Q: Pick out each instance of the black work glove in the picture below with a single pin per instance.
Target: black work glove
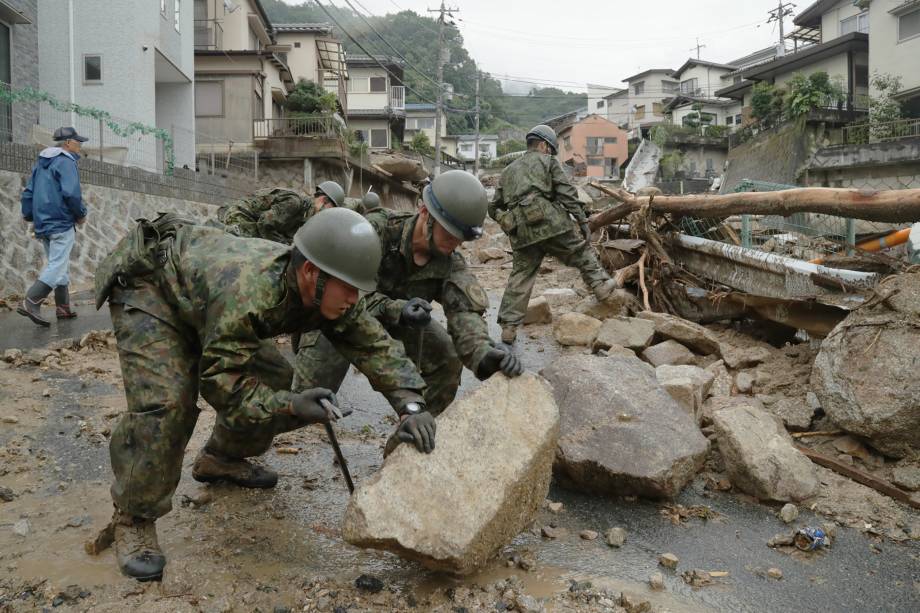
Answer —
(309, 406)
(416, 313)
(418, 429)
(499, 358)
(585, 230)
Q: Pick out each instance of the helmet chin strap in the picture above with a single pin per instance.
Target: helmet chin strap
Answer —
(320, 288)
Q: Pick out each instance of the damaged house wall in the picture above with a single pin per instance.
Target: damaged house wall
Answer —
(778, 156)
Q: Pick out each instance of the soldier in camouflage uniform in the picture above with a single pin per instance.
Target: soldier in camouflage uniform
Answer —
(420, 264)
(538, 208)
(194, 311)
(276, 213)
(365, 203)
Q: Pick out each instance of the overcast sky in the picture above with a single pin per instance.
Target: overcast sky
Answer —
(598, 41)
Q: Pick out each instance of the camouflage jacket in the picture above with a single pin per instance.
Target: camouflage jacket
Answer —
(272, 213)
(232, 293)
(535, 199)
(445, 280)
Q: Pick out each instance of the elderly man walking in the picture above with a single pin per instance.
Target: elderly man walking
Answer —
(53, 204)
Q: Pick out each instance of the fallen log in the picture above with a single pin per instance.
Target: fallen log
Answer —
(879, 485)
(893, 206)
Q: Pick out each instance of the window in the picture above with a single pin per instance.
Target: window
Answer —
(595, 161)
(297, 44)
(177, 12)
(92, 69)
(670, 87)
(358, 85)
(729, 120)
(656, 108)
(378, 85)
(600, 104)
(258, 109)
(710, 167)
(567, 142)
(380, 138)
(639, 88)
(736, 79)
(610, 140)
(738, 119)
(860, 75)
(595, 144)
(209, 98)
(466, 147)
(640, 111)
(856, 23)
(909, 25)
(689, 86)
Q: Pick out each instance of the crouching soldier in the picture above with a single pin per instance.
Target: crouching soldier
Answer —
(194, 311)
(276, 213)
(420, 264)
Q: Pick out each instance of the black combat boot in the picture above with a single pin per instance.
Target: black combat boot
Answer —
(210, 467)
(136, 547)
(31, 304)
(62, 302)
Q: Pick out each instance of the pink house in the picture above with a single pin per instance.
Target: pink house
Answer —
(593, 147)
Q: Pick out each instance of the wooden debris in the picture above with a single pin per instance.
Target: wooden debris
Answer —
(288, 450)
(859, 476)
(817, 433)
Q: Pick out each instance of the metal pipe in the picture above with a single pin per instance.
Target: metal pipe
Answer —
(894, 239)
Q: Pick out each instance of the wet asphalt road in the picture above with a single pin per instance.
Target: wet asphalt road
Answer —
(858, 574)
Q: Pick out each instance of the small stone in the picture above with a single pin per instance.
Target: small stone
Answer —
(744, 382)
(199, 498)
(75, 522)
(588, 535)
(553, 533)
(7, 495)
(527, 604)
(746, 357)
(369, 583)
(560, 296)
(668, 560)
(668, 352)
(812, 399)
(697, 578)
(852, 446)
(8, 419)
(615, 537)
(575, 329)
(656, 581)
(12, 355)
(46, 392)
(554, 507)
(538, 312)
(830, 529)
(22, 527)
(789, 512)
(906, 476)
(775, 573)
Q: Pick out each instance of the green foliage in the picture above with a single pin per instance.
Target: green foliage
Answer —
(420, 143)
(356, 147)
(671, 163)
(883, 106)
(309, 98)
(416, 37)
(716, 131)
(27, 94)
(762, 101)
(807, 93)
(510, 146)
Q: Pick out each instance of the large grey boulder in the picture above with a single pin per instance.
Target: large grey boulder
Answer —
(688, 385)
(622, 434)
(576, 329)
(454, 509)
(759, 455)
(669, 352)
(694, 336)
(629, 332)
(865, 375)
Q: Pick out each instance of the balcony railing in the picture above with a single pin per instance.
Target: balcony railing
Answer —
(292, 127)
(865, 133)
(209, 34)
(398, 97)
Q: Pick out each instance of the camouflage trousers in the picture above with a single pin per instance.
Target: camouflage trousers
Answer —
(160, 368)
(431, 348)
(570, 248)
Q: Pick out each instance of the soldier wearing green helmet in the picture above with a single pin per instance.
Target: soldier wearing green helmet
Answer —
(195, 311)
(538, 208)
(421, 265)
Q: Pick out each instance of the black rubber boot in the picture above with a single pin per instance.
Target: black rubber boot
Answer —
(62, 301)
(136, 547)
(210, 467)
(31, 304)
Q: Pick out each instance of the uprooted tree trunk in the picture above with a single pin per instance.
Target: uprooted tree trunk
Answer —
(892, 206)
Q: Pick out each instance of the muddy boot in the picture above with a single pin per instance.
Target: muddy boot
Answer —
(603, 290)
(210, 467)
(509, 334)
(31, 304)
(136, 547)
(62, 302)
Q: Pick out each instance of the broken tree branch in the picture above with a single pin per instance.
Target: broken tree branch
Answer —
(641, 266)
(626, 274)
(879, 485)
(894, 206)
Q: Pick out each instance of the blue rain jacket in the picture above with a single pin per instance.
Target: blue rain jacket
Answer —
(52, 200)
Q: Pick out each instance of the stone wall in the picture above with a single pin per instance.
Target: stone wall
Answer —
(776, 156)
(111, 215)
(893, 164)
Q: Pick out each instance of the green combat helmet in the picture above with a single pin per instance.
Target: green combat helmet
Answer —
(333, 190)
(343, 245)
(370, 201)
(458, 201)
(544, 133)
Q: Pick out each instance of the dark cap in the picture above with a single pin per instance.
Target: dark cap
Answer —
(68, 133)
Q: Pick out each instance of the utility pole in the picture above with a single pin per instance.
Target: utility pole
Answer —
(698, 47)
(442, 59)
(782, 10)
(476, 142)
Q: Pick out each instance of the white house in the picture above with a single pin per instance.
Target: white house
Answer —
(466, 146)
(314, 55)
(132, 58)
(376, 99)
(648, 92)
(422, 117)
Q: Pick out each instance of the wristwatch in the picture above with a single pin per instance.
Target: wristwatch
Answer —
(412, 408)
